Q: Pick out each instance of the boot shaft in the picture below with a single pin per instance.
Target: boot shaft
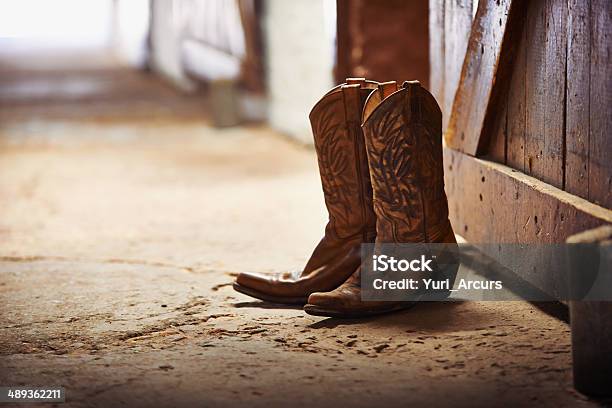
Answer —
(403, 134)
(342, 159)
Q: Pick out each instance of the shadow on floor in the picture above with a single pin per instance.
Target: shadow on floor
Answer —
(265, 305)
(425, 316)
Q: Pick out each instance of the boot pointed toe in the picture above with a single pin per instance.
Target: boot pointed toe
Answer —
(267, 288)
(253, 280)
(323, 300)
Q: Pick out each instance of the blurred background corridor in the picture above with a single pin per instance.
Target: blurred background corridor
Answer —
(112, 150)
(218, 89)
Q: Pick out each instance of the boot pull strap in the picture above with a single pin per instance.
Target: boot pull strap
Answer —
(414, 103)
(387, 88)
(382, 90)
(355, 81)
(408, 84)
(352, 102)
(362, 82)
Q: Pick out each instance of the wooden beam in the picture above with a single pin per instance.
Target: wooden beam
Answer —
(491, 203)
(458, 15)
(517, 114)
(545, 60)
(485, 74)
(436, 50)
(592, 320)
(577, 101)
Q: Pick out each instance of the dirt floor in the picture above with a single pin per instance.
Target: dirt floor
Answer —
(119, 239)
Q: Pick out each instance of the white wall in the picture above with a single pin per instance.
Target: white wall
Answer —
(58, 24)
(131, 28)
(298, 37)
(165, 39)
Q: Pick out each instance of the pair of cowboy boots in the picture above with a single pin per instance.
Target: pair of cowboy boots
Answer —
(379, 149)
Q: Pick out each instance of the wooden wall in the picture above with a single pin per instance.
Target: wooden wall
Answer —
(553, 121)
(450, 22)
(525, 89)
(557, 114)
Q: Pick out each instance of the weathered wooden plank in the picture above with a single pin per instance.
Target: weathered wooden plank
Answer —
(554, 87)
(457, 26)
(436, 49)
(535, 94)
(577, 99)
(515, 155)
(496, 149)
(484, 75)
(491, 202)
(600, 138)
(591, 320)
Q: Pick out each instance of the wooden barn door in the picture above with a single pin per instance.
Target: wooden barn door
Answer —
(525, 87)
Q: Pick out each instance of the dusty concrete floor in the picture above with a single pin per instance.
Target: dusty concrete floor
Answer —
(119, 239)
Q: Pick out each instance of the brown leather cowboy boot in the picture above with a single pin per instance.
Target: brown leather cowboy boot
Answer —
(403, 131)
(343, 164)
